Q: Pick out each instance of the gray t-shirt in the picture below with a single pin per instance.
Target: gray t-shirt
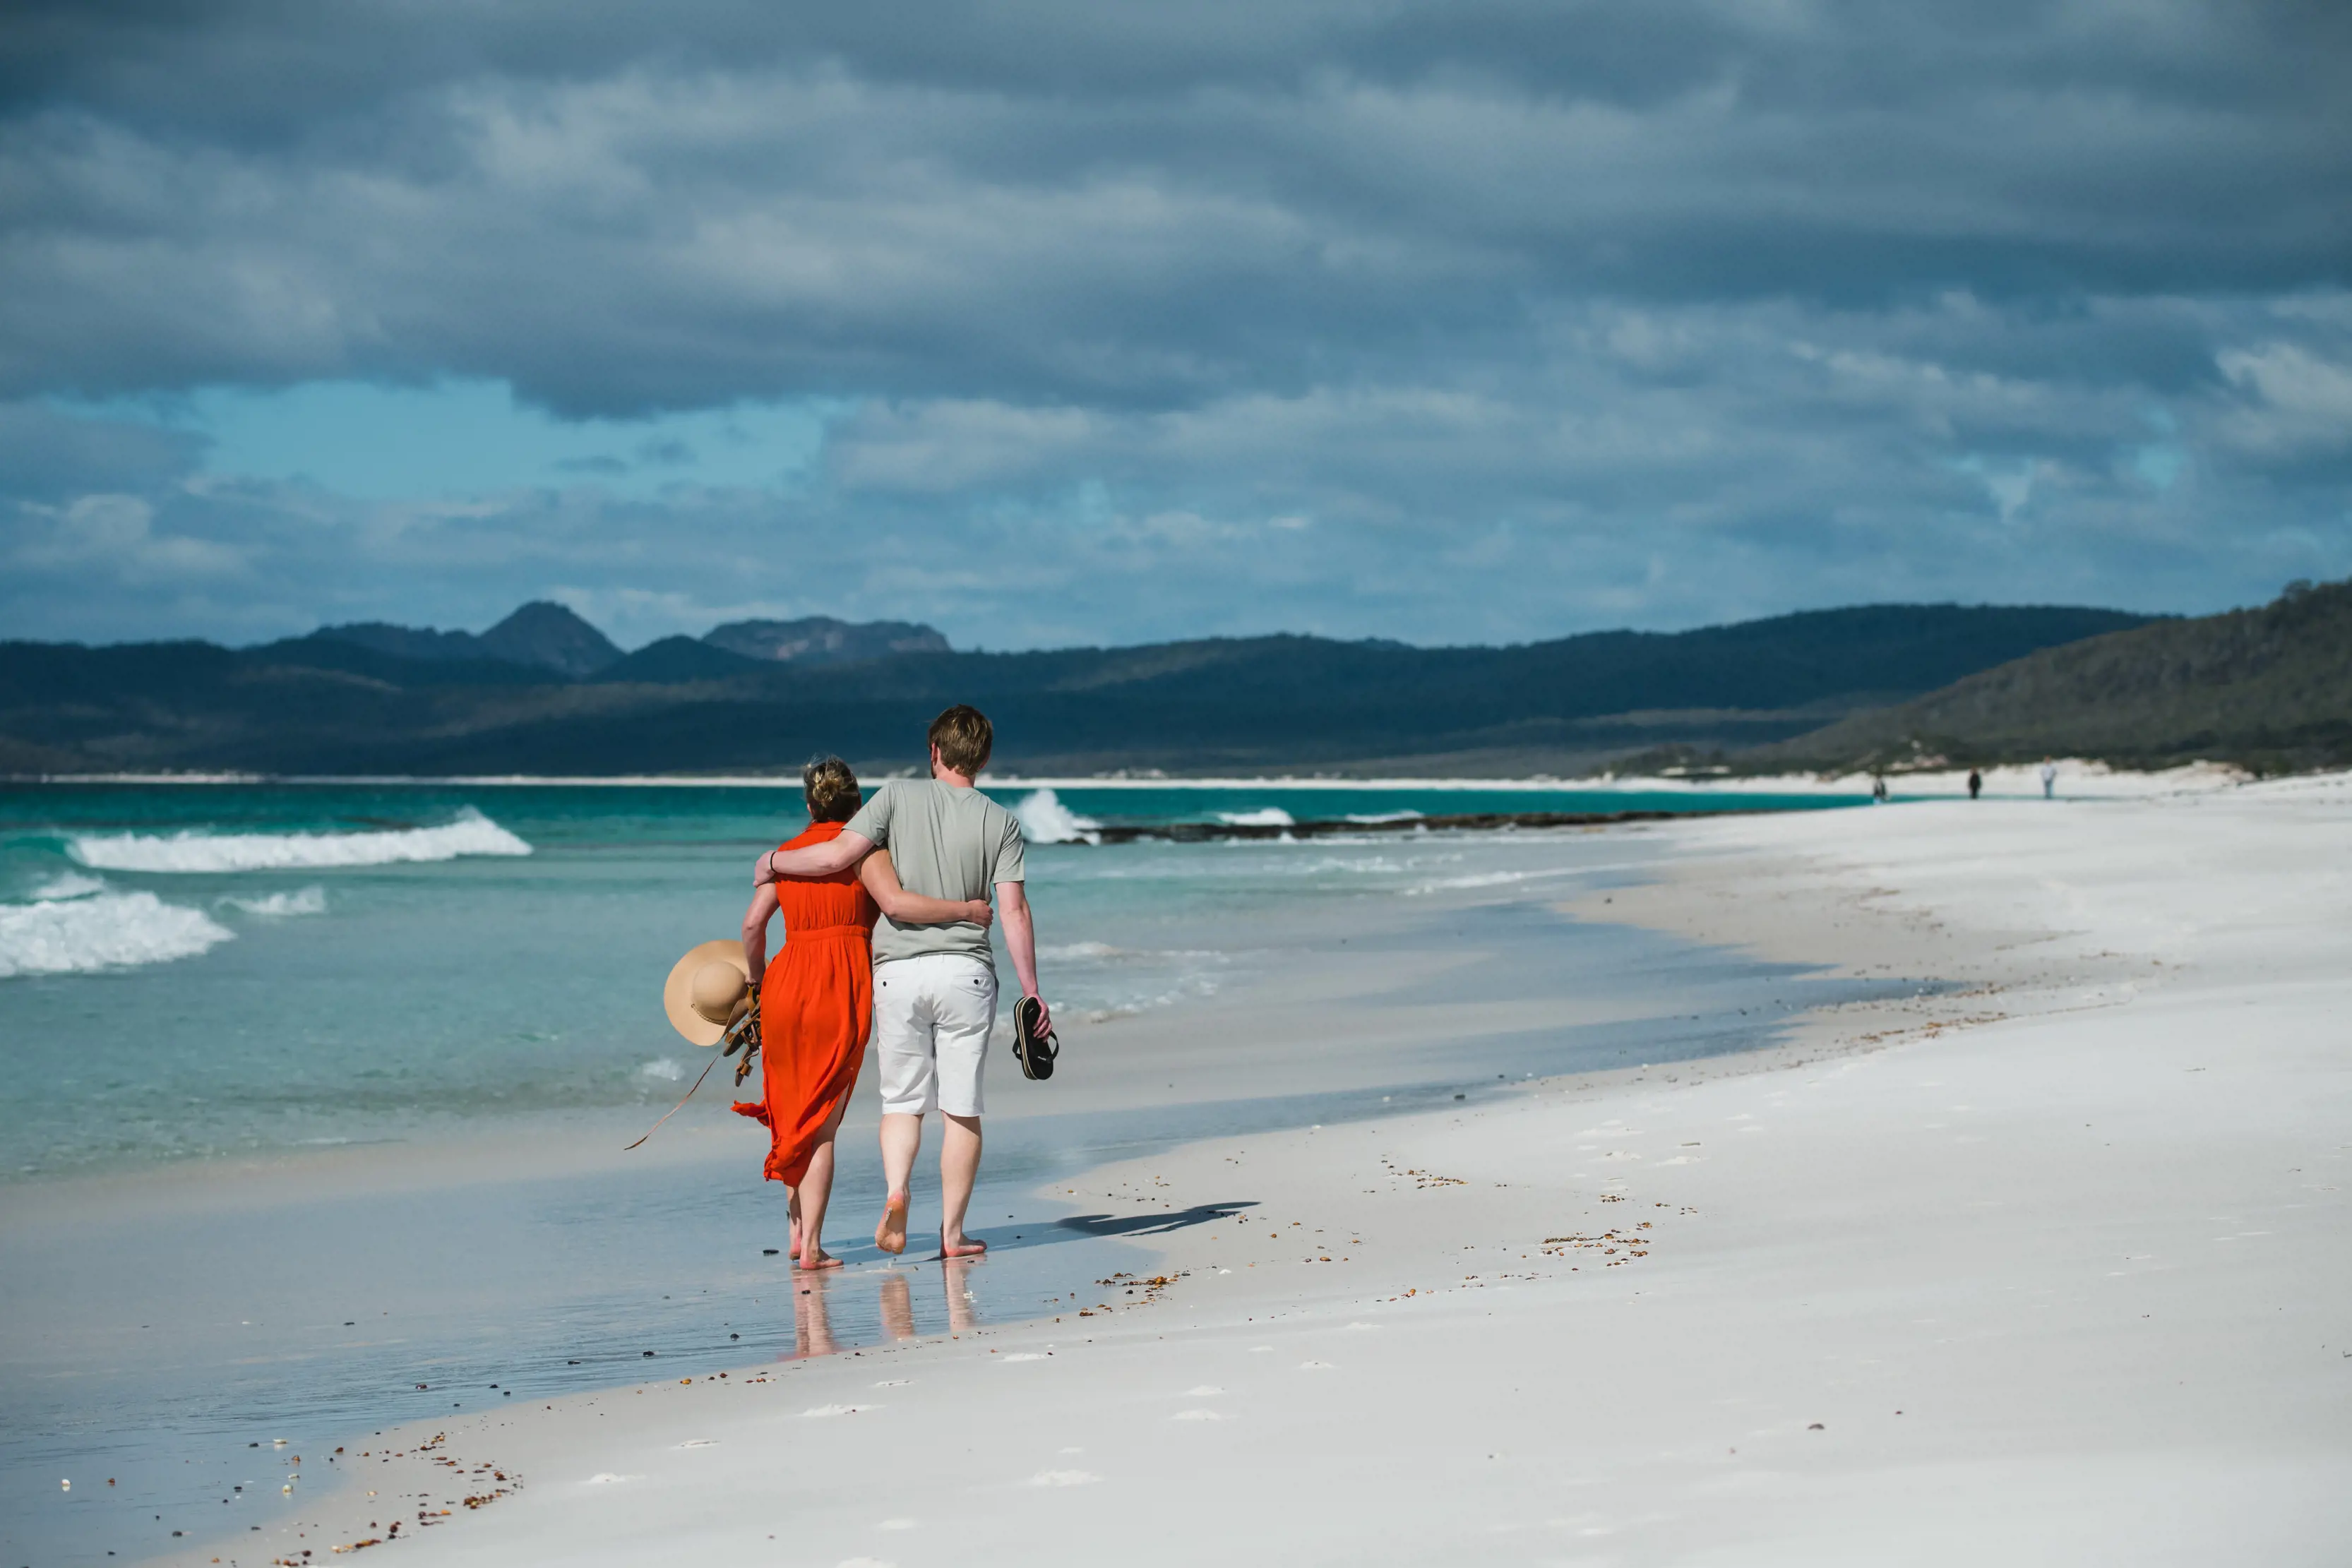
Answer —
(946, 842)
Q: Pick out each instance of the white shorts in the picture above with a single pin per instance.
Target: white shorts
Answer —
(932, 1017)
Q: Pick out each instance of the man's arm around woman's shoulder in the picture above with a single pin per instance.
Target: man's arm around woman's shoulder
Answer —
(836, 854)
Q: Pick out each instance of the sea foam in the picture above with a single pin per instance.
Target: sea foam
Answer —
(101, 931)
(277, 906)
(1045, 821)
(471, 833)
(1264, 817)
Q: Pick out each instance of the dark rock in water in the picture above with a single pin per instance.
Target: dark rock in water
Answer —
(822, 639)
(1200, 832)
(770, 1251)
(648, 1354)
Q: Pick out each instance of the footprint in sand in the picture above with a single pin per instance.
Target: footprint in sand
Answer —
(700, 1443)
(1064, 1479)
(894, 1383)
(601, 1478)
(840, 1409)
(1025, 1356)
(1318, 1366)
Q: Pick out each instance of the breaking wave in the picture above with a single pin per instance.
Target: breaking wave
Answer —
(471, 833)
(101, 931)
(1075, 952)
(1264, 817)
(307, 901)
(1045, 821)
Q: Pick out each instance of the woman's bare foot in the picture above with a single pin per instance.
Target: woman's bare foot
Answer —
(891, 1234)
(962, 1247)
(821, 1258)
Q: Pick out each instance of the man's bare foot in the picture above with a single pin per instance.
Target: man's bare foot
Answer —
(891, 1234)
(821, 1259)
(964, 1247)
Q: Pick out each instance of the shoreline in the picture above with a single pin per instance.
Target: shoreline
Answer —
(2084, 778)
(1948, 1347)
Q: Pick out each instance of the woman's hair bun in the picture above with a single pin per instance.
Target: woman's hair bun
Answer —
(831, 789)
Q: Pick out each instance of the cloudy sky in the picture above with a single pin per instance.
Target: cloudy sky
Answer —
(1052, 322)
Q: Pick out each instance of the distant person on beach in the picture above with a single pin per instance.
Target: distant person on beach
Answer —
(1878, 788)
(816, 1001)
(2049, 778)
(934, 985)
(1975, 783)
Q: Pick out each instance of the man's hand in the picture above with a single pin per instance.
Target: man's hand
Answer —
(1045, 1014)
(978, 912)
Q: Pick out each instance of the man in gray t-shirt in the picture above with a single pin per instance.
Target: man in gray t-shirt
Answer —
(935, 986)
(939, 835)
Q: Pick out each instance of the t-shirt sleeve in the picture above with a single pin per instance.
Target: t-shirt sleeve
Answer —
(873, 819)
(1010, 852)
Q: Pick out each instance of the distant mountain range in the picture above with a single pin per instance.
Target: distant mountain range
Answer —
(548, 636)
(544, 692)
(540, 635)
(2269, 688)
(821, 639)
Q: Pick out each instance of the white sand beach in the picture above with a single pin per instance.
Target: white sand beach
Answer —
(2052, 1265)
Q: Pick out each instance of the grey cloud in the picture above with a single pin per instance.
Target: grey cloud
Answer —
(1474, 320)
(622, 210)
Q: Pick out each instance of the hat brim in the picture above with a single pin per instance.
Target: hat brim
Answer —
(677, 991)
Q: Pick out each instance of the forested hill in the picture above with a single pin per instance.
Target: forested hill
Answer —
(345, 704)
(2269, 688)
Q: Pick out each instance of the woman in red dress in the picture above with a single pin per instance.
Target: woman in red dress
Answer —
(816, 1001)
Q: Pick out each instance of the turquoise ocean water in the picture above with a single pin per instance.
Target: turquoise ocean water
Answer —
(197, 970)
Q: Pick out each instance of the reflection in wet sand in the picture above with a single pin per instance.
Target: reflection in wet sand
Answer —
(898, 1306)
(956, 1273)
(811, 1322)
(897, 1301)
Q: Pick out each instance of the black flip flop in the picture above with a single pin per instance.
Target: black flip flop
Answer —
(1032, 1050)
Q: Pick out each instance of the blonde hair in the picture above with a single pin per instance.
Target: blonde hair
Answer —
(831, 789)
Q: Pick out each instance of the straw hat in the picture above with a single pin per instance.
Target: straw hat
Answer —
(706, 991)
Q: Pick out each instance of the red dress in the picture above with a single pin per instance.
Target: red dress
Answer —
(816, 1008)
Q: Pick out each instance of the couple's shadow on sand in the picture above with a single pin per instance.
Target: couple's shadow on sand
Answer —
(1117, 1225)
